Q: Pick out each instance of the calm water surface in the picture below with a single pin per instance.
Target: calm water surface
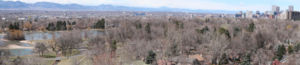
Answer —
(40, 36)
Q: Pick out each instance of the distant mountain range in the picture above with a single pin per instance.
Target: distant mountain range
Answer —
(18, 5)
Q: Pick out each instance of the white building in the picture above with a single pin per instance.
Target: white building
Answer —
(249, 14)
(3, 18)
(21, 19)
(283, 15)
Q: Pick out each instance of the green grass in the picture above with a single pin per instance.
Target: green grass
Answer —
(75, 52)
(48, 56)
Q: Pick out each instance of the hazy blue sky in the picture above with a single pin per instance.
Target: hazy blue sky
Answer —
(236, 5)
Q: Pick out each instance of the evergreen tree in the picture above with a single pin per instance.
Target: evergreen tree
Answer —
(100, 24)
(148, 28)
(50, 27)
(280, 52)
(14, 26)
(290, 49)
(251, 27)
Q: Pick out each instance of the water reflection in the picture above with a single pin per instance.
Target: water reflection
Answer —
(40, 36)
(50, 35)
(20, 52)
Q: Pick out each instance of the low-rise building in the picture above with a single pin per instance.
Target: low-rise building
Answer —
(239, 15)
(21, 19)
(290, 15)
(293, 15)
(3, 18)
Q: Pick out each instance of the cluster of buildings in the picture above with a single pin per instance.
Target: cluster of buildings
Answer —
(276, 13)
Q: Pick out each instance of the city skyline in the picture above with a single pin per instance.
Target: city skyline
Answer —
(230, 5)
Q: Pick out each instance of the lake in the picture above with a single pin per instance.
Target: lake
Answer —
(40, 36)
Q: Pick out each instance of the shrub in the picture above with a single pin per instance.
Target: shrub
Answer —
(114, 45)
(290, 49)
(203, 30)
(297, 47)
(224, 31)
(150, 58)
(236, 31)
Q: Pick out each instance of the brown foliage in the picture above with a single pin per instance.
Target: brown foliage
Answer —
(27, 25)
(15, 35)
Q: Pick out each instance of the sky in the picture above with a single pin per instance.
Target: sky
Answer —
(230, 5)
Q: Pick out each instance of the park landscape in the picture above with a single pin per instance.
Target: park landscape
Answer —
(149, 32)
(153, 40)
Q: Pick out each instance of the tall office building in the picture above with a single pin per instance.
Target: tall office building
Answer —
(275, 9)
(239, 14)
(291, 8)
(257, 12)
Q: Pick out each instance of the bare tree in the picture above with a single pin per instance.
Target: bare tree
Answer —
(40, 48)
(4, 56)
(68, 41)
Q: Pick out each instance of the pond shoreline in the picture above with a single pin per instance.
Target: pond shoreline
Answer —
(26, 47)
(16, 46)
(102, 30)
